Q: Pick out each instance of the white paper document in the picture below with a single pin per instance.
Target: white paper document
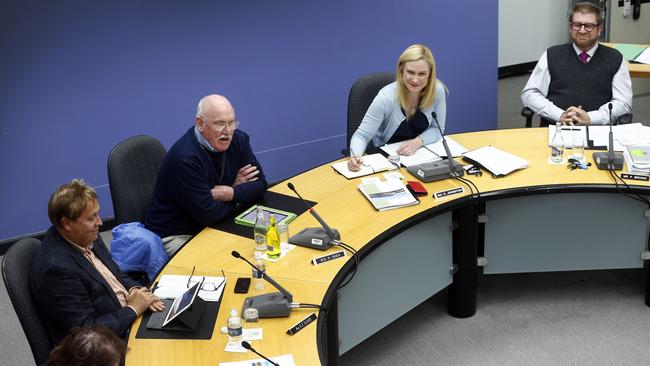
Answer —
(284, 360)
(498, 162)
(249, 334)
(373, 163)
(643, 57)
(421, 155)
(427, 153)
(172, 286)
(455, 148)
(285, 248)
(637, 159)
(624, 135)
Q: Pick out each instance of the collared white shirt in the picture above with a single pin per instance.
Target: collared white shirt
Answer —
(534, 94)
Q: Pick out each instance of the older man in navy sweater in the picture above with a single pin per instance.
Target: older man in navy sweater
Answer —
(204, 176)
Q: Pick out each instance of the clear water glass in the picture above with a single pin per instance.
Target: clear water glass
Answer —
(579, 148)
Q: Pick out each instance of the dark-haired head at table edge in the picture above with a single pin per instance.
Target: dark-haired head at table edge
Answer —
(574, 83)
(205, 175)
(74, 281)
(401, 111)
(89, 346)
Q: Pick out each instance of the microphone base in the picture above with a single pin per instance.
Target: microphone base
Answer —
(315, 238)
(273, 305)
(437, 170)
(602, 160)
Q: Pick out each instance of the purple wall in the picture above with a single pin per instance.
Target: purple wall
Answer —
(77, 77)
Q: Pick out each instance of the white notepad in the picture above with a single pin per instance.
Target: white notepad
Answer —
(373, 163)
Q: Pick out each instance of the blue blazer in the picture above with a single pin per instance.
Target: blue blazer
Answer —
(70, 292)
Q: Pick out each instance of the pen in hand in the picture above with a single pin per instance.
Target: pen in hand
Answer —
(355, 162)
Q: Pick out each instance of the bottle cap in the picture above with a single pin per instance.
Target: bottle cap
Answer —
(233, 312)
(251, 315)
(258, 255)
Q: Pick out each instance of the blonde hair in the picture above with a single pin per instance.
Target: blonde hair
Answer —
(69, 201)
(414, 53)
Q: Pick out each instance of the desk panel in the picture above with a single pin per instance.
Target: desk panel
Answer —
(394, 278)
(564, 232)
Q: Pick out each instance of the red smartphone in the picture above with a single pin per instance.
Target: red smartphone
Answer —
(416, 188)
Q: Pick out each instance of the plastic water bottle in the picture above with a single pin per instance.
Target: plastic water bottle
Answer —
(259, 232)
(235, 331)
(258, 279)
(557, 145)
(272, 240)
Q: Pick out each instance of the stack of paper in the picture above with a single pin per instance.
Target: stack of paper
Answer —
(373, 163)
(637, 159)
(498, 162)
(388, 194)
(427, 153)
(628, 134)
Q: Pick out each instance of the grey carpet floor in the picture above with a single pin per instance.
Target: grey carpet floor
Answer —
(570, 318)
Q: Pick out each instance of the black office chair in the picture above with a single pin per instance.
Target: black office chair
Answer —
(16, 268)
(133, 166)
(528, 114)
(363, 91)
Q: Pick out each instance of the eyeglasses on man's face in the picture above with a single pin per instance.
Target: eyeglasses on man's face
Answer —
(588, 26)
(221, 125)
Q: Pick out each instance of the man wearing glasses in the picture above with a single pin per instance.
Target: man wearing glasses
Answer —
(573, 83)
(204, 176)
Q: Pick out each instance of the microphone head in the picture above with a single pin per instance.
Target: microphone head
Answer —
(434, 115)
(246, 345)
(291, 187)
(235, 254)
(609, 105)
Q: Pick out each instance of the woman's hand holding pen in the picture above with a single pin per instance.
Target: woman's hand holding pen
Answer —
(355, 163)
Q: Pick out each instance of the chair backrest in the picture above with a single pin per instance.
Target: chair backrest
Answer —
(363, 91)
(133, 166)
(16, 268)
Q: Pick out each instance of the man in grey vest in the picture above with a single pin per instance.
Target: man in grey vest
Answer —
(573, 83)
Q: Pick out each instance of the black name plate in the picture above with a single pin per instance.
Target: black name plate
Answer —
(325, 258)
(448, 192)
(302, 324)
(644, 178)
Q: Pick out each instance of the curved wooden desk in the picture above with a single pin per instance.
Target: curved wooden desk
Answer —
(408, 254)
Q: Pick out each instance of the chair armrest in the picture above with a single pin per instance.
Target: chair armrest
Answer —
(528, 113)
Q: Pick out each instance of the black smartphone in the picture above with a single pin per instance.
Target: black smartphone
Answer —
(242, 285)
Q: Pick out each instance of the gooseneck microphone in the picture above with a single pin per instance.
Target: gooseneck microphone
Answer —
(438, 170)
(249, 347)
(317, 238)
(273, 305)
(609, 160)
(610, 147)
(454, 170)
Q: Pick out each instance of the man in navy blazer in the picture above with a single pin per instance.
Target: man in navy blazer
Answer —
(74, 281)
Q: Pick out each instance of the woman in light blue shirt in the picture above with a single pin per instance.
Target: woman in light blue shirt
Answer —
(402, 110)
